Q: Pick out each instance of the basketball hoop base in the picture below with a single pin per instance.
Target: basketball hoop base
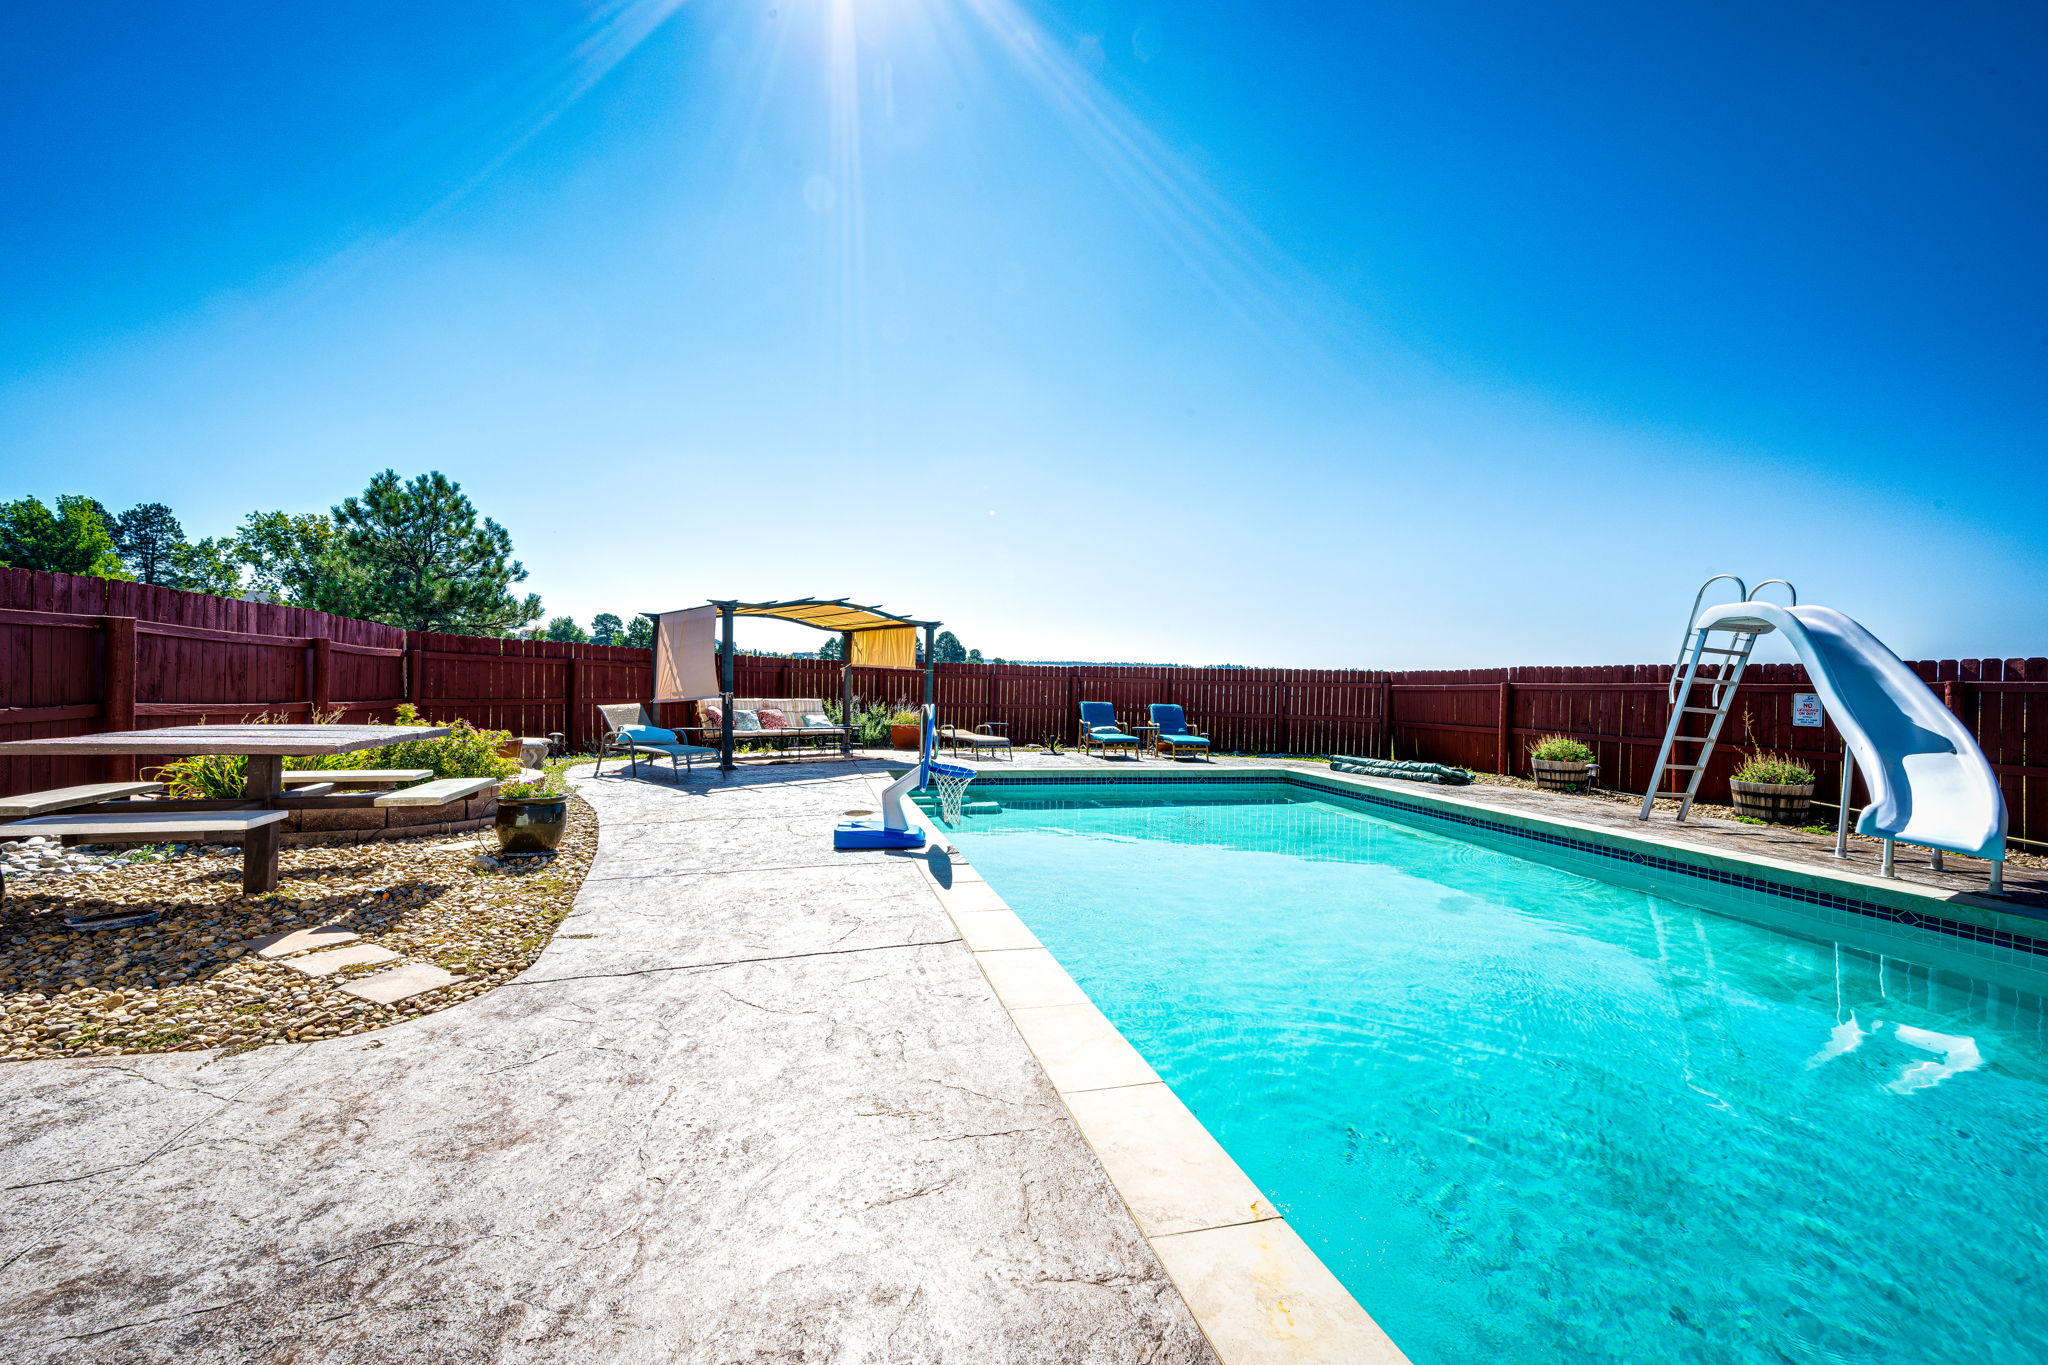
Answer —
(875, 834)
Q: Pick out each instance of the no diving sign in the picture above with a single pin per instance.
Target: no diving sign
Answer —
(1806, 708)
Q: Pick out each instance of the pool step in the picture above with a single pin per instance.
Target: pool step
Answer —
(930, 805)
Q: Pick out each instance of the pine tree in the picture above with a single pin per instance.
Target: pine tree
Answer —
(640, 635)
(148, 538)
(605, 629)
(564, 630)
(422, 560)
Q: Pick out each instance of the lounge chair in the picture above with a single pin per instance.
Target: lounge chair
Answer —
(1099, 730)
(1175, 734)
(979, 738)
(628, 732)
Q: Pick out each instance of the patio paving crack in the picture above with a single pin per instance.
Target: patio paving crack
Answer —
(735, 962)
(223, 1103)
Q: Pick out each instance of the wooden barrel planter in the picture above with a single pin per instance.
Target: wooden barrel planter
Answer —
(1778, 803)
(1554, 776)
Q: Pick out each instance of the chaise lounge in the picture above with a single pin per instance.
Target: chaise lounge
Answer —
(628, 733)
(1099, 730)
(1175, 734)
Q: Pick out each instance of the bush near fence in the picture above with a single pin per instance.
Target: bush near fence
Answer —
(79, 655)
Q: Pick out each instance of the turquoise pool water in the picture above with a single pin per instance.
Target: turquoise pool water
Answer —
(1527, 1114)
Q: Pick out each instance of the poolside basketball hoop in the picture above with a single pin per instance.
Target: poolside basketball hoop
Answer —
(950, 781)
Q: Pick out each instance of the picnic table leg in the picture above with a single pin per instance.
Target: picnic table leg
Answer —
(262, 783)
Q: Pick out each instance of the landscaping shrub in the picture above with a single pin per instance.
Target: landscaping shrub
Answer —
(871, 721)
(464, 751)
(1773, 768)
(1561, 749)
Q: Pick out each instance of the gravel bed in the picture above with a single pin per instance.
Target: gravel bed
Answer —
(187, 982)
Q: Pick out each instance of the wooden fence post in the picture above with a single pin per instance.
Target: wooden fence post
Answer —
(578, 727)
(1283, 732)
(117, 691)
(320, 686)
(416, 677)
(1506, 736)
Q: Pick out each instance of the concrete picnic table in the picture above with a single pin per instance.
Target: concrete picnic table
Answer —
(264, 746)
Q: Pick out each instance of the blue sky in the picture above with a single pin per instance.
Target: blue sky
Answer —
(1321, 336)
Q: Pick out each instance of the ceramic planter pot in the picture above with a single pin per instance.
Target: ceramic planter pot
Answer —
(531, 824)
(906, 736)
(1551, 775)
(1779, 803)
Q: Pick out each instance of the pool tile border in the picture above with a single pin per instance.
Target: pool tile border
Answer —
(1696, 863)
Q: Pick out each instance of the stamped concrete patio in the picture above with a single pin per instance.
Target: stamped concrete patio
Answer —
(754, 1103)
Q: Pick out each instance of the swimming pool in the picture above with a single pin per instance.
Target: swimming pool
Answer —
(1530, 1104)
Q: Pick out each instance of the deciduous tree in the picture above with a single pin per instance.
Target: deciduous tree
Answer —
(74, 539)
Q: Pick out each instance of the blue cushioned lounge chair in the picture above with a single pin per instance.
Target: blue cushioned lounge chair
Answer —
(627, 732)
(1175, 734)
(1099, 730)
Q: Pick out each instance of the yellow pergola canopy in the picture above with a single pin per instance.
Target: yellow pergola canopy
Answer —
(838, 615)
(881, 639)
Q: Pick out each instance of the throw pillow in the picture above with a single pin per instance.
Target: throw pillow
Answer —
(745, 720)
(647, 734)
(817, 720)
(771, 719)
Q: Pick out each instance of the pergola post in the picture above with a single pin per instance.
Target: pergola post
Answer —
(931, 663)
(846, 691)
(725, 687)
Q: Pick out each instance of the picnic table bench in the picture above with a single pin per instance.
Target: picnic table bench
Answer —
(63, 798)
(356, 777)
(129, 812)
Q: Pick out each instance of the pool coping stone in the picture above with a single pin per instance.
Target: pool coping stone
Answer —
(1258, 1292)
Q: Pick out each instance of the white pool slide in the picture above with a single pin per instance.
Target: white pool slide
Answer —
(1928, 781)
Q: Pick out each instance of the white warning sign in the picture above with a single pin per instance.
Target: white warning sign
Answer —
(1806, 708)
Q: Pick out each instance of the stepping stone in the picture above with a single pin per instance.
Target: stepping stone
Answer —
(401, 983)
(332, 961)
(298, 940)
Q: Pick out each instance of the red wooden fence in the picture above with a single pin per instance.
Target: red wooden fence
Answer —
(82, 654)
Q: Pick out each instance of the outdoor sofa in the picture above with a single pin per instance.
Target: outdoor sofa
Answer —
(793, 723)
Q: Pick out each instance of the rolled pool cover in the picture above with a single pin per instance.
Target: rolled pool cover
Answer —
(1407, 771)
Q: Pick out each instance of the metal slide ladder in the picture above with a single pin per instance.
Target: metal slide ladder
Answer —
(1729, 659)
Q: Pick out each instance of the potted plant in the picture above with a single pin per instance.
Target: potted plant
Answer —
(1772, 788)
(906, 728)
(1560, 763)
(532, 815)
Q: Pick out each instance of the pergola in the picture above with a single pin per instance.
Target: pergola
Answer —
(869, 636)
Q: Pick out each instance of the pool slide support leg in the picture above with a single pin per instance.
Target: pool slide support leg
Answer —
(1997, 887)
(1842, 811)
(1887, 870)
